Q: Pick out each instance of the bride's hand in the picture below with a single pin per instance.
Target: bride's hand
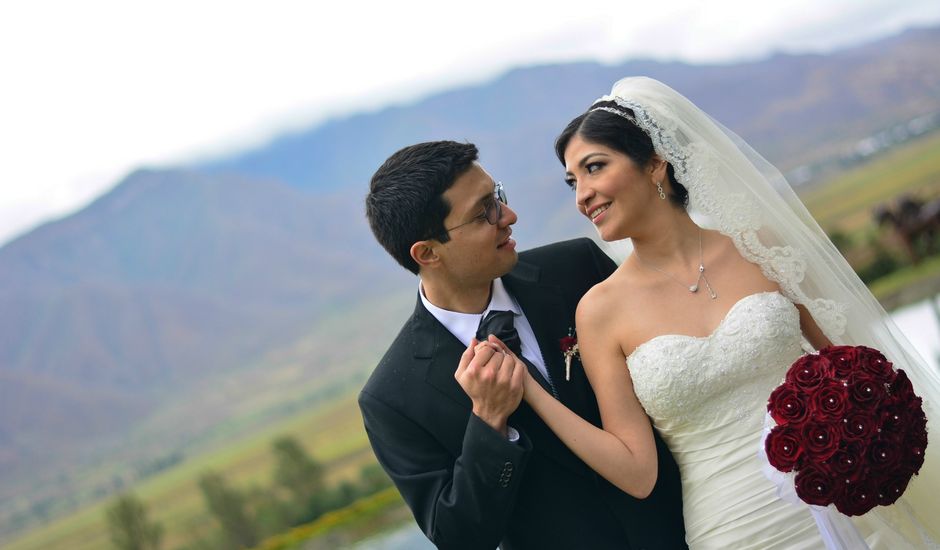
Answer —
(529, 384)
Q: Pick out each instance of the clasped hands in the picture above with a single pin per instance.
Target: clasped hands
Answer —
(494, 379)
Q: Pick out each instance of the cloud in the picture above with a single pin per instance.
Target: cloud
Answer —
(101, 86)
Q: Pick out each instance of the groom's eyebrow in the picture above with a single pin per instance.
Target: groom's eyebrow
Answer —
(488, 195)
(481, 202)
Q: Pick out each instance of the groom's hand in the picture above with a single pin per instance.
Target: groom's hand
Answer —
(493, 381)
(529, 384)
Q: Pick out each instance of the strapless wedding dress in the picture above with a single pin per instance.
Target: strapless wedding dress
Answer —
(707, 397)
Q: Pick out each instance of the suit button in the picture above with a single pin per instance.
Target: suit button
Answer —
(505, 474)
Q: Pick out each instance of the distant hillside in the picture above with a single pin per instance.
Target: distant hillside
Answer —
(170, 279)
(181, 282)
(792, 108)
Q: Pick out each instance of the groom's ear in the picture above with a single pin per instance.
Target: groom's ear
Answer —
(424, 254)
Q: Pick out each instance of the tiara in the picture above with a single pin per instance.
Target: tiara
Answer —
(617, 112)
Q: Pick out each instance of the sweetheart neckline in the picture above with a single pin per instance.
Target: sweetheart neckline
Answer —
(714, 331)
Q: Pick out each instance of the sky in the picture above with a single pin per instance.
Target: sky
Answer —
(95, 89)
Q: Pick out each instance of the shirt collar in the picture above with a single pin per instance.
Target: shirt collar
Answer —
(464, 325)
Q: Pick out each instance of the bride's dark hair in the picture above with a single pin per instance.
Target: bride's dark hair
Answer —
(620, 134)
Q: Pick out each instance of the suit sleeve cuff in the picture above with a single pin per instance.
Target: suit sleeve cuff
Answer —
(480, 436)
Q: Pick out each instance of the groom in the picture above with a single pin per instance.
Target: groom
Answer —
(444, 415)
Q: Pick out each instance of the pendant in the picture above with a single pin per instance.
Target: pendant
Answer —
(711, 292)
(693, 288)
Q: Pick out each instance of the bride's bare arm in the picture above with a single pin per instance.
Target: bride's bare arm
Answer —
(623, 452)
(811, 330)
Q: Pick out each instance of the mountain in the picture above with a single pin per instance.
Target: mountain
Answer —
(786, 106)
(170, 270)
(171, 279)
(187, 292)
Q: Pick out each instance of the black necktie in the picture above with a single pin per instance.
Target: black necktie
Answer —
(500, 325)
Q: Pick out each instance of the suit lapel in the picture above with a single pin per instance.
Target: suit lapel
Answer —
(439, 351)
(546, 311)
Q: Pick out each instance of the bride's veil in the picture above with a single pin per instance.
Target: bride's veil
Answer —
(736, 191)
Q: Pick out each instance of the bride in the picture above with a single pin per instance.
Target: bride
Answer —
(728, 282)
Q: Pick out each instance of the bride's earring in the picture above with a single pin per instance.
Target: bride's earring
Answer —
(659, 188)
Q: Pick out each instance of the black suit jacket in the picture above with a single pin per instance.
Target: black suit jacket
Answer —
(467, 486)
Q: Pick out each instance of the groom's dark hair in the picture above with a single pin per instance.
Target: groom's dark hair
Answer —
(620, 134)
(405, 203)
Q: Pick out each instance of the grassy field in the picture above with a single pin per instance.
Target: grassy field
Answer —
(845, 203)
(332, 430)
(365, 517)
(909, 285)
(332, 433)
(218, 420)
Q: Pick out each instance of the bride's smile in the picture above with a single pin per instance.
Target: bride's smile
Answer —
(611, 190)
(595, 213)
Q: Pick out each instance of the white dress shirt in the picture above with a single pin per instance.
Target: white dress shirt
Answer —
(464, 325)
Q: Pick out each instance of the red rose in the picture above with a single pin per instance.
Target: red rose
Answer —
(828, 401)
(917, 440)
(865, 391)
(894, 421)
(901, 389)
(857, 498)
(567, 343)
(848, 463)
(865, 352)
(874, 363)
(842, 358)
(783, 448)
(884, 455)
(914, 459)
(786, 405)
(917, 427)
(821, 440)
(858, 426)
(890, 489)
(808, 371)
(815, 487)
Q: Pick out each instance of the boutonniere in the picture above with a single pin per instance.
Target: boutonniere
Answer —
(569, 348)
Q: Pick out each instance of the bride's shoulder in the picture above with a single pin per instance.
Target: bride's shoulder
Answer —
(719, 241)
(607, 299)
(734, 267)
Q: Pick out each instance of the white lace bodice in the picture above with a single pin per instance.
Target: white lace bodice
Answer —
(707, 397)
(729, 374)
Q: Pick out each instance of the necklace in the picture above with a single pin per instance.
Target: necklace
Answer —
(693, 288)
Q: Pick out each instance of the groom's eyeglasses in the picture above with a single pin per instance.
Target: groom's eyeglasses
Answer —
(492, 208)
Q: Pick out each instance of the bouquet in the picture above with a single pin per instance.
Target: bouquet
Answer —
(850, 426)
